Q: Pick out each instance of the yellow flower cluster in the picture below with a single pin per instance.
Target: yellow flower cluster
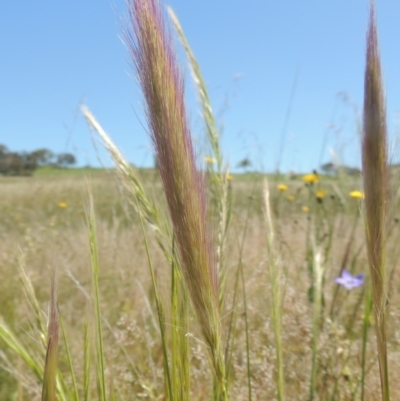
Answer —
(282, 187)
(320, 193)
(357, 194)
(62, 205)
(310, 178)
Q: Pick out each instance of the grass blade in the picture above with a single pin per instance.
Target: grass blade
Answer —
(49, 388)
(94, 257)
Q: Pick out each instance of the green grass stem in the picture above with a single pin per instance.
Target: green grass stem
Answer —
(365, 330)
(161, 318)
(73, 394)
(94, 257)
(49, 389)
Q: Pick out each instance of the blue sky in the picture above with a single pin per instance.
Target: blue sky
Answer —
(262, 61)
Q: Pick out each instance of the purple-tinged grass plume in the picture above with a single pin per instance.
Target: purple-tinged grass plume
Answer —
(375, 177)
(218, 176)
(163, 87)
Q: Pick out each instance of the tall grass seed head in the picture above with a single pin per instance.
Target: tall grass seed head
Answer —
(162, 84)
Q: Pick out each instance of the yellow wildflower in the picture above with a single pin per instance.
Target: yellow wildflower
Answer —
(306, 209)
(282, 187)
(290, 198)
(320, 193)
(357, 194)
(210, 160)
(62, 205)
(310, 178)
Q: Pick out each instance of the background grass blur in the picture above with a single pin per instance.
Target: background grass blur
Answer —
(43, 222)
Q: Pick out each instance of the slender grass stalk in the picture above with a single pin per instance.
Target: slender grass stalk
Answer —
(49, 388)
(375, 177)
(162, 85)
(231, 330)
(246, 324)
(31, 297)
(366, 324)
(233, 314)
(75, 394)
(275, 277)
(94, 257)
(309, 245)
(12, 342)
(86, 361)
(161, 317)
(335, 306)
(318, 274)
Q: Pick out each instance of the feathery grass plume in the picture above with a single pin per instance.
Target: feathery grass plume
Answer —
(50, 368)
(163, 88)
(208, 115)
(218, 180)
(375, 177)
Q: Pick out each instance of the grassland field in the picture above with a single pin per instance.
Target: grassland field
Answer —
(43, 225)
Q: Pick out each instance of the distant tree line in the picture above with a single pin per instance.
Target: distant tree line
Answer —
(332, 169)
(24, 163)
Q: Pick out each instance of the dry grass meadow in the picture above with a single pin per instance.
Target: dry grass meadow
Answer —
(188, 282)
(44, 225)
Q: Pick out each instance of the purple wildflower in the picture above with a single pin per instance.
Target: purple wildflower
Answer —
(348, 281)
